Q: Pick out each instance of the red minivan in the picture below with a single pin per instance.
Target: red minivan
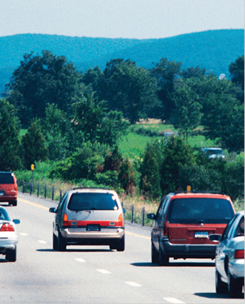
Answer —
(8, 188)
(183, 223)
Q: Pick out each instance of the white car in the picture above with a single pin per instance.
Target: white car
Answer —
(8, 236)
(229, 259)
(212, 153)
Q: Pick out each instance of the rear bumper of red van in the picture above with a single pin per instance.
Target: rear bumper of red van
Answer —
(188, 250)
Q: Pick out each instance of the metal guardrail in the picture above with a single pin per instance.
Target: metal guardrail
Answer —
(132, 213)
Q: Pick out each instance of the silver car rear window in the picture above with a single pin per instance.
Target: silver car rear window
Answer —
(92, 201)
(196, 210)
(4, 215)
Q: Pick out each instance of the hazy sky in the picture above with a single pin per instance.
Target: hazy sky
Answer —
(119, 18)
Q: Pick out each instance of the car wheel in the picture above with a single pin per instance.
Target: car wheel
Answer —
(61, 243)
(220, 286)
(14, 203)
(121, 244)
(163, 259)
(55, 242)
(11, 255)
(154, 254)
(234, 288)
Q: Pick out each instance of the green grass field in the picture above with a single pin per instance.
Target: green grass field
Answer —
(132, 145)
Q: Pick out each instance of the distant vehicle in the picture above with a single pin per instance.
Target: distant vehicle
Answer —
(8, 236)
(183, 223)
(8, 188)
(213, 153)
(229, 259)
(89, 216)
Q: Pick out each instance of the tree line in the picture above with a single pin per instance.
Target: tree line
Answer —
(76, 118)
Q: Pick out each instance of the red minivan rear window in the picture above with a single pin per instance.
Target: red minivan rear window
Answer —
(6, 178)
(200, 210)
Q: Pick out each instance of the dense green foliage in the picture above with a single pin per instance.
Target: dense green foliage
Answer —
(10, 147)
(77, 120)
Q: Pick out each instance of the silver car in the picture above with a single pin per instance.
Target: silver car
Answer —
(229, 259)
(8, 236)
(89, 216)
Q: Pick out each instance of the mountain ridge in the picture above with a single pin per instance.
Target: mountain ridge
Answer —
(213, 50)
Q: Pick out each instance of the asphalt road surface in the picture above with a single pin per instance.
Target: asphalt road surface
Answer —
(96, 274)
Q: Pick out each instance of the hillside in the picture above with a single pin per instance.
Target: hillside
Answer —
(212, 50)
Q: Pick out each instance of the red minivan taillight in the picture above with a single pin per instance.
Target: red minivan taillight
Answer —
(239, 254)
(65, 220)
(165, 231)
(7, 227)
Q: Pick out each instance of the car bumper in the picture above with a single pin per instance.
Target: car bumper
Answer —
(115, 233)
(236, 268)
(6, 244)
(188, 250)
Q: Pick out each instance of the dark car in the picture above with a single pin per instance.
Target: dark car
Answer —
(184, 222)
(89, 216)
(8, 188)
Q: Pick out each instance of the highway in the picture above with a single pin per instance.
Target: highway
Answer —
(96, 274)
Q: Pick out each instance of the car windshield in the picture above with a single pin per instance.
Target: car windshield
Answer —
(6, 178)
(4, 215)
(92, 201)
(200, 210)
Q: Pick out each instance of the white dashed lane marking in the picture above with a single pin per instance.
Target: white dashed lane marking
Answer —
(134, 284)
(103, 271)
(80, 260)
(173, 300)
(42, 242)
(24, 234)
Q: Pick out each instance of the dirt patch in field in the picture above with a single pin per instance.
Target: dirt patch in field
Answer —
(150, 121)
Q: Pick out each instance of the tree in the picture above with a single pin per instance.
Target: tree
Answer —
(39, 81)
(166, 73)
(34, 145)
(187, 111)
(129, 89)
(10, 148)
(97, 124)
(150, 170)
(176, 154)
(236, 70)
(56, 128)
(193, 72)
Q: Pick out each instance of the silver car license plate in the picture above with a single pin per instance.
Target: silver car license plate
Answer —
(93, 228)
(201, 234)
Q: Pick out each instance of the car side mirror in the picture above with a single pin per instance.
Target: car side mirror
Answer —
(52, 210)
(151, 216)
(215, 237)
(16, 221)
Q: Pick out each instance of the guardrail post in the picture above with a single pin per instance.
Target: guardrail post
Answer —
(23, 187)
(132, 213)
(30, 188)
(45, 191)
(37, 189)
(143, 216)
(52, 193)
(60, 194)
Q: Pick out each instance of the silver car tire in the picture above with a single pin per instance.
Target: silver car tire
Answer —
(121, 244)
(234, 288)
(11, 255)
(220, 286)
(61, 243)
(55, 242)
